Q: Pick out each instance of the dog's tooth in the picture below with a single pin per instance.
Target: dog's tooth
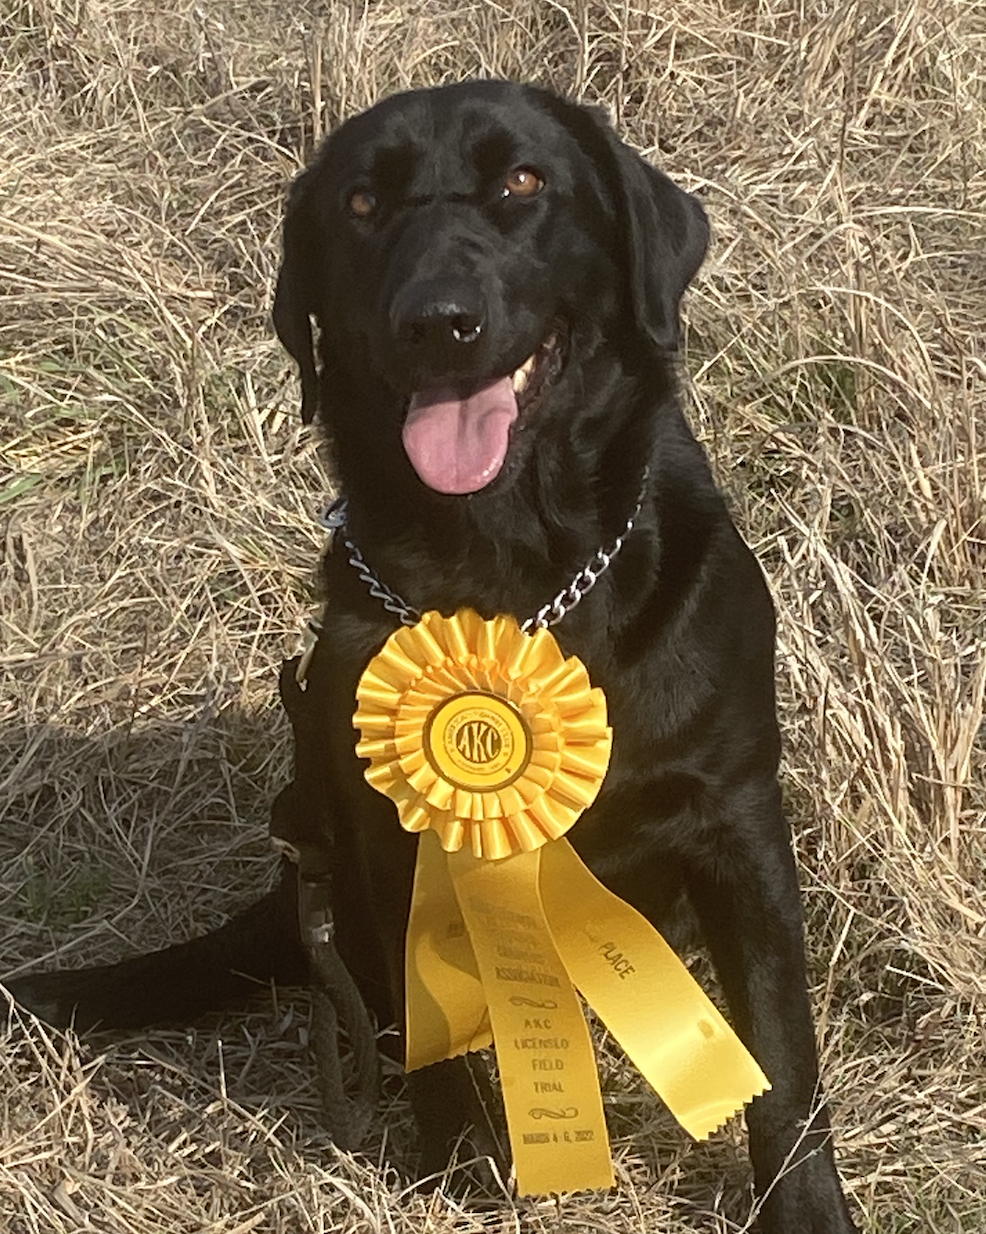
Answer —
(522, 375)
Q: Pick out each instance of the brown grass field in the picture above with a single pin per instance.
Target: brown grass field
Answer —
(157, 554)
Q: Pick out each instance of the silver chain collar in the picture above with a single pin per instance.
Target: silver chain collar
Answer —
(333, 519)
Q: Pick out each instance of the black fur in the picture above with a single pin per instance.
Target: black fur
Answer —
(679, 632)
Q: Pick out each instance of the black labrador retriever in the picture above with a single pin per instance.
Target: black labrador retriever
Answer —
(495, 280)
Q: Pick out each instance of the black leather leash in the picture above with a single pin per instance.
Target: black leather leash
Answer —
(301, 829)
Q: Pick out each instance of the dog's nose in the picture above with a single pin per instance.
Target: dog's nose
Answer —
(434, 320)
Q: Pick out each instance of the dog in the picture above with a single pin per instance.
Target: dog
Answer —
(495, 279)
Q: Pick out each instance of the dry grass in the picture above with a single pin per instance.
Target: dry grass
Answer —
(157, 549)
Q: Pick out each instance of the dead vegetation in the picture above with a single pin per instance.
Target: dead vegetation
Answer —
(157, 550)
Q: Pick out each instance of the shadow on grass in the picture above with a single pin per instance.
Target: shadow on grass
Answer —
(123, 843)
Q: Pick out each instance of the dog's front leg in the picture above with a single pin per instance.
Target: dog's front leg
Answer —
(750, 912)
(452, 1101)
(459, 1120)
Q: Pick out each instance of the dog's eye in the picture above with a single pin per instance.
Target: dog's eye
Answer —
(522, 182)
(363, 203)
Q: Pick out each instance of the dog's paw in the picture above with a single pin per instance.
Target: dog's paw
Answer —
(809, 1200)
(474, 1170)
(462, 1136)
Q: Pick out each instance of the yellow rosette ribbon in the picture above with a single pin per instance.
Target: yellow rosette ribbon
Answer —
(491, 744)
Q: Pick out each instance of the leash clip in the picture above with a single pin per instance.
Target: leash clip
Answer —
(310, 636)
(315, 910)
(332, 517)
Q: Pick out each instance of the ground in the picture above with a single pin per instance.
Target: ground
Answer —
(157, 554)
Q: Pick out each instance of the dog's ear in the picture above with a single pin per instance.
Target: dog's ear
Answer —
(664, 233)
(667, 239)
(295, 298)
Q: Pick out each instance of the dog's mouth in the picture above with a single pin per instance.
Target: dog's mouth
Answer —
(457, 436)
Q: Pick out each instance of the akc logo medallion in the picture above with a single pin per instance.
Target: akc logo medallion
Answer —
(478, 742)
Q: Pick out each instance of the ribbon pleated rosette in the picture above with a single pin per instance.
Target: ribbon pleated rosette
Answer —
(491, 744)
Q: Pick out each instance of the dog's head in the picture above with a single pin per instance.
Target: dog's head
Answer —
(457, 247)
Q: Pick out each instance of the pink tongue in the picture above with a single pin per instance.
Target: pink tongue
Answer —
(455, 444)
